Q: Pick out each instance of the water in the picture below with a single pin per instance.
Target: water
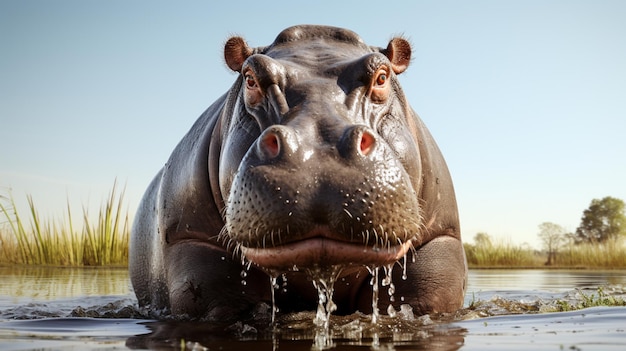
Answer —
(94, 309)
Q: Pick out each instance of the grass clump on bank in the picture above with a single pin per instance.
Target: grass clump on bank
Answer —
(590, 300)
(499, 254)
(572, 302)
(37, 241)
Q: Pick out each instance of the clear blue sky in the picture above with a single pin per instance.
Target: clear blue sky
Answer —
(527, 99)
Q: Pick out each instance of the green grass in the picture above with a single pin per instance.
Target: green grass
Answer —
(34, 240)
(503, 254)
(590, 300)
(579, 301)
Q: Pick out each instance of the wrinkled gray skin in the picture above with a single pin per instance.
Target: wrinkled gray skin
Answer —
(314, 141)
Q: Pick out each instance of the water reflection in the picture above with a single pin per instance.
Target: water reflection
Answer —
(22, 284)
(542, 279)
(349, 333)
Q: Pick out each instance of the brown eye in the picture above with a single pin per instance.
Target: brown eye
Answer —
(381, 78)
(253, 94)
(379, 88)
(250, 81)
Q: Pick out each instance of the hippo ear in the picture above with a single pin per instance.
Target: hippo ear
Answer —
(399, 53)
(236, 51)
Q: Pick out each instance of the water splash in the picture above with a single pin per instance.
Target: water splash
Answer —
(324, 281)
(391, 311)
(356, 329)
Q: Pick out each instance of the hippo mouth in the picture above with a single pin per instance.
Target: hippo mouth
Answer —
(322, 251)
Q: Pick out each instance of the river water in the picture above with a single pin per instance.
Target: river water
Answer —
(94, 309)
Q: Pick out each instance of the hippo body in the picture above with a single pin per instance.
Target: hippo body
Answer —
(313, 160)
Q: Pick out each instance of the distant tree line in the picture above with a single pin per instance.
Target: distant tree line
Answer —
(602, 222)
(597, 242)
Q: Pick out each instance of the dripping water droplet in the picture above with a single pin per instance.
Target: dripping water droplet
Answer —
(374, 284)
(284, 277)
(388, 270)
(404, 276)
(391, 311)
(273, 287)
(387, 281)
(391, 291)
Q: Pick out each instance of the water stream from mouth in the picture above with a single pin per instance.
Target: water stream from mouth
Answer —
(323, 279)
(273, 288)
(374, 283)
(391, 311)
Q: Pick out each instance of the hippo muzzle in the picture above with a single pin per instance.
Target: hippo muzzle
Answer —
(293, 205)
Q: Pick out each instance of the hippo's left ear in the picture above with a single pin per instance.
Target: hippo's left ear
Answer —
(399, 53)
(236, 51)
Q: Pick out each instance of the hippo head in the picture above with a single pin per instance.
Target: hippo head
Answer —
(320, 165)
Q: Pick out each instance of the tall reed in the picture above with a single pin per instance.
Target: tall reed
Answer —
(108, 238)
(608, 254)
(502, 253)
(44, 242)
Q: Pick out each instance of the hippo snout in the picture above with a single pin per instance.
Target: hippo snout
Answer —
(319, 201)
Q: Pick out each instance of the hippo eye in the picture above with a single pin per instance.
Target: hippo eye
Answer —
(381, 78)
(250, 81)
(379, 89)
(253, 94)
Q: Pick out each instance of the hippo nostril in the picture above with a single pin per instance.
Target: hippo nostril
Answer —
(357, 140)
(367, 142)
(270, 145)
(277, 142)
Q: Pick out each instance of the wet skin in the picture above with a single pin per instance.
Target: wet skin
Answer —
(312, 159)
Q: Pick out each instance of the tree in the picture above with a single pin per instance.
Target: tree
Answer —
(553, 236)
(603, 220)
(482, 240)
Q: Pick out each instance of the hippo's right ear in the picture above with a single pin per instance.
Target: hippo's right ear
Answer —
(399, 53)
(236, 51)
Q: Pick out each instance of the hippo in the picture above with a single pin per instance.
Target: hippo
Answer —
(313, 161)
